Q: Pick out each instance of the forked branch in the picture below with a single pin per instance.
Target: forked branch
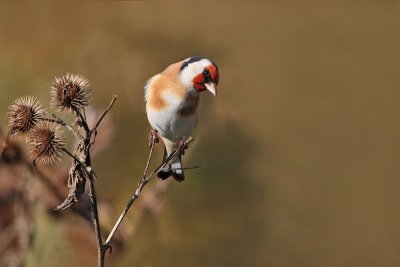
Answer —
(143, 181)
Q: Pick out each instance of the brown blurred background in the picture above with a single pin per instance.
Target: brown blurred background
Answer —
(299, 151)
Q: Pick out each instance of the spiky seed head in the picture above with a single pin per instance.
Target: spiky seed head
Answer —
(46, 143)
(71, 92)
(24, 114)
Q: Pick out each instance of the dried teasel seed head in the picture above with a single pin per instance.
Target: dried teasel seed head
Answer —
(24, 114)
(70, 92)
(46, 143)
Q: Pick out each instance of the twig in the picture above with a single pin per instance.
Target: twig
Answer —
(187, 168)
(114, 97)
(121, 217)
(94, 129)
(86, 162)
(73, 156)
(64, 124)
(152, 144)
(139, 189)
(82, 118)
(96, 222)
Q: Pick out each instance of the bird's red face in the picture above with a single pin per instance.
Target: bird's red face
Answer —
(207, 80)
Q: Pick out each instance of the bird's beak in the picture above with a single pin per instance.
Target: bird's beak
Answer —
(212, 88)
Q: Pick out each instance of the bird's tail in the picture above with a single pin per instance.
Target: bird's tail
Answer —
(174, 168)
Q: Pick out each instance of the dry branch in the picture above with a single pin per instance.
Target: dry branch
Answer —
(72, 93)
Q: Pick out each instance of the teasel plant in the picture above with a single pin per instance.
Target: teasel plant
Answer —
(44, 132)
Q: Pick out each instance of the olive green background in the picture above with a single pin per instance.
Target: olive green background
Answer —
(299, 150)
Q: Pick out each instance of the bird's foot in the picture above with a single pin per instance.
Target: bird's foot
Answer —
(183, 146)
(153, 137)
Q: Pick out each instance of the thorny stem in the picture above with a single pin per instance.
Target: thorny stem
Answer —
(84, 123)
(140, 187)
(85, 160)
(96, 222)
(87, 163)
(92, 194)
(101, 249)
(85, 143)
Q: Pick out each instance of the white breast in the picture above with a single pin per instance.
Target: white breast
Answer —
(167, 121)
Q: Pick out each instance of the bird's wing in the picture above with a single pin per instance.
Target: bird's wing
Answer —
(147, 87)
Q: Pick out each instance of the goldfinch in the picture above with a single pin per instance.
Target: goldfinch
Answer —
(172, 98)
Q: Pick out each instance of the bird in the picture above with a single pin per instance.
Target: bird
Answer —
(172, 99)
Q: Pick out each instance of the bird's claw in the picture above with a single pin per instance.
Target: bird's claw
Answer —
(153, 137)
(182, 147)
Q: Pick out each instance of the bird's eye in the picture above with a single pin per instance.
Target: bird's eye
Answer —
(206, 74)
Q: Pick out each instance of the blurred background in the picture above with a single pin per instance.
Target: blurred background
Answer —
(299, 151)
